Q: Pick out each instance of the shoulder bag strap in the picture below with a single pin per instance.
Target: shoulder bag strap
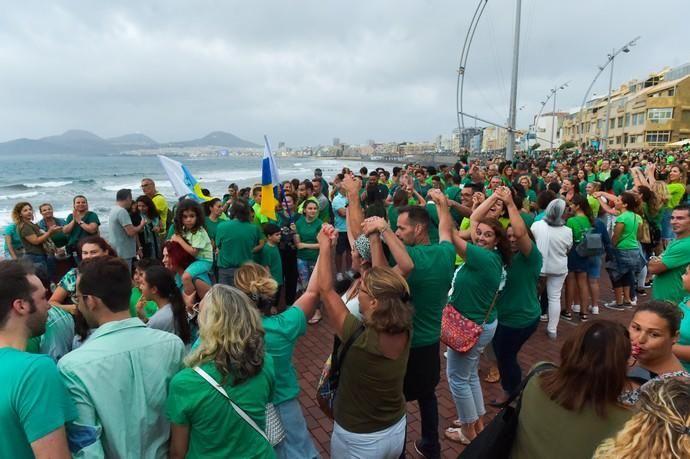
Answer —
(239, 410)
(491, 307)
(338, 358)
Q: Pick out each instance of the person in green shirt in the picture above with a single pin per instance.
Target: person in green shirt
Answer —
(203, 423)
(307, 246)
(236, 241)
(577, 286)
(476, 285)
(80, 224)
(677, 179)
(670, 266)
(269, 256)
(517, 307)
(281, 334)
(34, 404)
(429, 281)
(628, 258)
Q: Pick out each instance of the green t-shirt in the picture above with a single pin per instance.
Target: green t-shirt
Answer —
(77, 232)
(33, 401)
(669, 285)
(429, 282)
(684, 339)
(628, 238)
(594, 204)
(269, 256)
(215, 429)
(150, 307)
(579, 224)
(531, 195)
(432, 229)
(676, 190)
(212, 227)
(307, 234)
(517, 305)
(235, 241)
(476, 282)
(527, 218)
(282, 331)
(200, 241)
(393, 217)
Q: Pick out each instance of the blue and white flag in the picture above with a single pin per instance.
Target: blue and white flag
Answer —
(183, 182)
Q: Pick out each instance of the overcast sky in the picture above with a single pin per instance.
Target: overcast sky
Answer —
(305, 72)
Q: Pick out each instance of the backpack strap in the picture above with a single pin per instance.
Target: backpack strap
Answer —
(538, 368)
(338, 358)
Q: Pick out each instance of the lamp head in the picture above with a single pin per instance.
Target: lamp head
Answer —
(626, 49)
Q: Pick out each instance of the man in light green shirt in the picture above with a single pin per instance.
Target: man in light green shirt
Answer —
(34, 405)
(669, 268)
(119, 377)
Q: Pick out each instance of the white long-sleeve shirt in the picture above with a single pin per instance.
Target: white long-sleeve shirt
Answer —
(554, 243)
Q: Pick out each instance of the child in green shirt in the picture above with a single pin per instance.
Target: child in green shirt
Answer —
(269, 256)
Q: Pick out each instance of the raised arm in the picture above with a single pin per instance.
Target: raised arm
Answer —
(378, 231)
(336, 311)
(516, 221)
(445, 221)
(308, 301)
(480, 212)
(351, 186)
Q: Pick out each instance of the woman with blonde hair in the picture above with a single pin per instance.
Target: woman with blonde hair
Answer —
(660, 428)
(281, 334)
(231, 352)
(369, 408)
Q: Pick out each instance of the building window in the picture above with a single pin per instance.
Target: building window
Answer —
(618, 140)
(620, 121)
(659, 115)
(672, 92)
(612, 123)
(658, 136)
(627, 119)
(632, 139)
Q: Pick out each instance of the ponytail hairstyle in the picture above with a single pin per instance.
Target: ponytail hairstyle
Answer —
(256, 282)
(164, 281)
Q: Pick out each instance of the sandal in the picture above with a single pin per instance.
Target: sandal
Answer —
(493, 377)
(316, 318)
(455, 434)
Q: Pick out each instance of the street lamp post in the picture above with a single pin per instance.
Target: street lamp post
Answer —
(543, 104)
(611, 57)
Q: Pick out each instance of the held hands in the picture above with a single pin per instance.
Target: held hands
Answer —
(374, 225)
(438, 197)
(327, 236)
(351, 185)
(503, 193)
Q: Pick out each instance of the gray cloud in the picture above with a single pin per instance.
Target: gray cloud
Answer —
(307, 71)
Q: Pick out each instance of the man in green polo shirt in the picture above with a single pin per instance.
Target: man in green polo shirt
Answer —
(34, 403)
(429, 282)
(669, 268)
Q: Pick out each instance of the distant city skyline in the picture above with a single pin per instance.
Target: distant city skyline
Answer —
(306, 73)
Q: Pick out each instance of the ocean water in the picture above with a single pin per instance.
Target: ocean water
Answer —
(57, 179)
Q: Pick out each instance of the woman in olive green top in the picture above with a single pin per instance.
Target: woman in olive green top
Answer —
(577, 286)
(203, 423)
(369, 408)
(568, 411)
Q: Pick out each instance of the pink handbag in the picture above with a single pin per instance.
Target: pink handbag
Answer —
(457, 331)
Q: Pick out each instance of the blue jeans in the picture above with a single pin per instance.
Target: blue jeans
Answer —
(507, 343)
(297, 443)
(463, 377)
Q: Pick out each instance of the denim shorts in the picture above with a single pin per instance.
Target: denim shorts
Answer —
(594, 267)
(576, 263)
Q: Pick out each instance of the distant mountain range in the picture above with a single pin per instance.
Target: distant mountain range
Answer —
(85, 142)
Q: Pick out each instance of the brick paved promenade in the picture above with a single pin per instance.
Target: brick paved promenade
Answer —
(313, 349)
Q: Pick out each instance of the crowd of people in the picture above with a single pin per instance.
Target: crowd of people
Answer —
(175, 336)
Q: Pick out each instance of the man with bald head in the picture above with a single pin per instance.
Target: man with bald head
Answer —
(148, 186)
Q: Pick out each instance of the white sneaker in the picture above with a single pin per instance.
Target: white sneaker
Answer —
(575, 308)
(552, 335)
(544, 318)
(633, 302)
(594, 310)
